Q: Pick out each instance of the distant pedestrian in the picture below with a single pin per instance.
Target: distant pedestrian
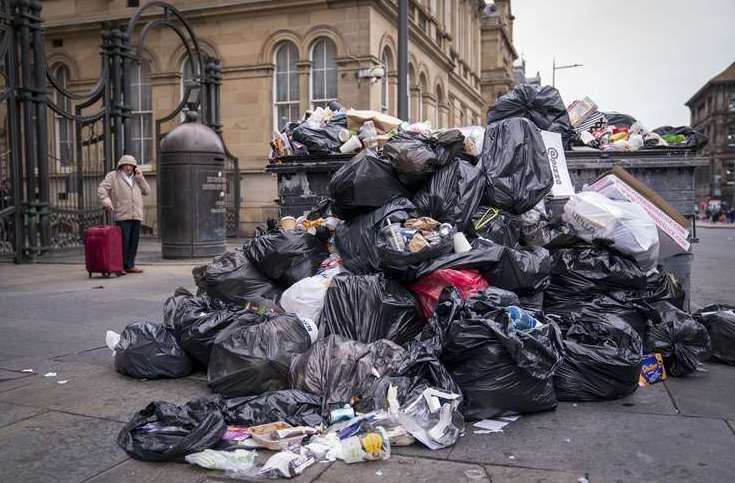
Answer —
(121, 192)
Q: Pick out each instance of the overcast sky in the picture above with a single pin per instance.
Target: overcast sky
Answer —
(641, 57)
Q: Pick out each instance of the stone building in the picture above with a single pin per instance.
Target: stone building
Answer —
(281, 58)
(712, 111)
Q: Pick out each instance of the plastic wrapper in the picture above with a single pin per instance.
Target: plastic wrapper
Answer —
(339, 370)
(619, 120)
(429, 288)
(602, 360)
(719, 320)
(694, 138)
(416, 156)
(167, 432)
(433, 418)
(364, 183)
(682, 341)
(366, 308)
(252, 358)
(238, 461)
(517, 171)
(234, 279)
(542, 105)
(473, 139)
(453, 194)
(297, 408)
(356, 239)
(626, 225)
(322, 140)
(305, 298)
(199, 319)
(501, 370)
(286, 257)
(147, 350)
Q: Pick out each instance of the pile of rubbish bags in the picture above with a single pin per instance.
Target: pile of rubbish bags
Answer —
(431, 289)
(613, 131)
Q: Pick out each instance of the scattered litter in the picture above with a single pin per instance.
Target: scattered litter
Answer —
(50, 374)
(239, 460)
(63, 381)
(511, 457)
(29, 371)
(494, 425)
(568, 440)
(475, 474)
(379, 473)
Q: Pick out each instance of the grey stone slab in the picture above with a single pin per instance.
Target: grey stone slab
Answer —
(648, 400)
(102, 392)
(133, 470)
(11, 413)
(405, 468)
(13, 379)
(420, 451)
(713, 259)
(504, 474)
(710, 393)
(613, 445)
(56, 447)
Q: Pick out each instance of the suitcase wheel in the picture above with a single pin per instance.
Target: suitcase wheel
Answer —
(90, 274)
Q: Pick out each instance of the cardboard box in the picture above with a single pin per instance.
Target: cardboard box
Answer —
(673, 237)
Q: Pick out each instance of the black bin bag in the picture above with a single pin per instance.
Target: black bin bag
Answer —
(682, 341)
(356, 239)
(233, 278)
(297, 408)
(252, 358)
(517, 171)
(199, 319)
(366, 308)
(322, 140)
(416, 156)
(719, 320)
(453, 194)
(542, 105)
(362, 184)
(171, 304)
(285, 256)
(167, 432)
(341, 371)
(403, 265)
(602, 360)
(663, 287)
(501, 370)
(149, 351)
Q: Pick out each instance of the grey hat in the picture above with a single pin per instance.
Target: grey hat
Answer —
(127, 159)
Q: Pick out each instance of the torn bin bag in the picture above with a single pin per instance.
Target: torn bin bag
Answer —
(501, 370)
(198, 321)
(542, 105)
(233, 278)
(167, 432)
(517, 171)
(453, 193)
(416, 156)
(286, 257)
(429, 288)
(719, 320)
(147, 350)
(362, 184)
(602, 361)
(356, 239)
(366, 308)
(339, 369)
(297, 408)
(402, 265)
(323, 140)
(682, 341)
(252, 358)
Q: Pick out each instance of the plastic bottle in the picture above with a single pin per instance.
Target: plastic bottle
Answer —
(521, 319)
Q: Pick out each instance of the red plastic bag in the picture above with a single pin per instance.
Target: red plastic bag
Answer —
(428, 289)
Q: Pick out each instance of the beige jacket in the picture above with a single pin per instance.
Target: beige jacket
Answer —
(127, 201)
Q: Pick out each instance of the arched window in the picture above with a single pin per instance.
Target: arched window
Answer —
(420, 99)
(323, 72)
(387, 63)
(63, 127)
(439, 102)
(141, 116)
(286, 89)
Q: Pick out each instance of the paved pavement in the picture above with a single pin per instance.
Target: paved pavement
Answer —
(53, 319)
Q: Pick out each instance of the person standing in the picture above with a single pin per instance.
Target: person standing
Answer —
(121, 192)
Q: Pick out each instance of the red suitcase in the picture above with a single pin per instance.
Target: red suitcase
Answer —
(103, 250)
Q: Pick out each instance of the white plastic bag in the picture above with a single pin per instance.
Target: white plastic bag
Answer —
(239, 461)
(305, 298)
(474, 136)
(627, 225)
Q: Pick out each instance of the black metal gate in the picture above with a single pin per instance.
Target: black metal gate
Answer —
(49, 177)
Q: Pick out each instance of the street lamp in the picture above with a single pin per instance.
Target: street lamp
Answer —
(555, 67)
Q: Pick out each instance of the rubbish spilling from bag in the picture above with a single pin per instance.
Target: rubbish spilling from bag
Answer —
(452, 280)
